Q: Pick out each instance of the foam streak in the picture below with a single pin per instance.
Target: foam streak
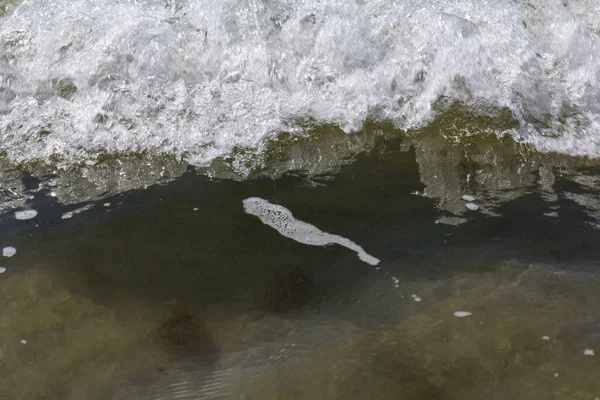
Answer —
(282, 220)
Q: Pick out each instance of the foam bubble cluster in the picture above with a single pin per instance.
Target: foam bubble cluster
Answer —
(25, 214)
(201, 78)
(69, 214)
(282, 220)
(9, 251)
(462, 314)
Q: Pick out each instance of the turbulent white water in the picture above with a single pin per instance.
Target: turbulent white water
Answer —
(200, 79)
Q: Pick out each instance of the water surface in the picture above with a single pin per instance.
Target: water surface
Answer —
(176, 291)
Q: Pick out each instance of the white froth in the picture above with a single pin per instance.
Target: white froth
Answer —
(2, 270)
(282, 220)
(468, 197)
(204, 77)
(545, 337)
(462, 314)
(70, 214)
(588, 352)
(106, 204)
(9, 251)
(25, 214)
(472, 206)
(23, 341)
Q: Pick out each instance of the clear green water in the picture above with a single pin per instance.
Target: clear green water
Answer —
(150, 299)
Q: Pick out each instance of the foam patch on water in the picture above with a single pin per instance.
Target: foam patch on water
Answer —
(462, 314)
(472, 206)
(2, 270)
(201, 78)
(26, 214)
(282, 220)
(70, 214)
(9, 251)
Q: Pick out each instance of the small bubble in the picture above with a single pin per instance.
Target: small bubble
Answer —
(2, 270)
(462, 314)
(23, 341)
(588, 352)
(546, 337)
(9, 251)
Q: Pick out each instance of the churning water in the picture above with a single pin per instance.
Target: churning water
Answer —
(206, 79)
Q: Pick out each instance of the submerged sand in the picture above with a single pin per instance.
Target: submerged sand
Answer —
(526, 337)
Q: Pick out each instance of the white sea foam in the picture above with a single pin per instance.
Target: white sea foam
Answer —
(282, 220)
(25, 214)
(200, 78)
(462, 314)
(9, 251)
(2, 270)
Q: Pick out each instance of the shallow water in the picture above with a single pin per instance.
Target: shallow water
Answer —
(176, 292)
(451, 144)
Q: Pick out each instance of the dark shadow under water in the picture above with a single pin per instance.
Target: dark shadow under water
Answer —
(175, 292)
